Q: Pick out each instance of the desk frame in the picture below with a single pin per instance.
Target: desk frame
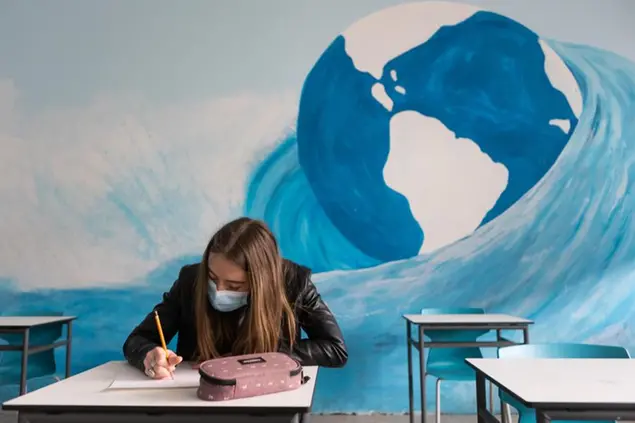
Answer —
(27, 349)
(158, 416)
(420, 345)
(545, 413)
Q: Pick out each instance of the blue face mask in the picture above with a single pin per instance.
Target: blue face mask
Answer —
(225, 301)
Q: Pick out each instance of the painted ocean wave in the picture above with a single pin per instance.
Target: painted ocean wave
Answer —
(562, 255)
(280, 194)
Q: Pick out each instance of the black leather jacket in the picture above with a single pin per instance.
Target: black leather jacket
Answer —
(324, 347)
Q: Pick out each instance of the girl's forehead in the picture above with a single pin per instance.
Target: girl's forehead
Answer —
(225, 269)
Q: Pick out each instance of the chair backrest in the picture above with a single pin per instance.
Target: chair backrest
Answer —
(555, 350)
(453, 310)
(39, 335)
(459, 353)
(564, 350)
(39, 364)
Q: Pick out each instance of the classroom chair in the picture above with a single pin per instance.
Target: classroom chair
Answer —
(563, 350)
(39, 365)
(449, 363)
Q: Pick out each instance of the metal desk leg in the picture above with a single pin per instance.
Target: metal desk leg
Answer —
(481, 398)
(541, 417)
(499, 337)
(422, 374)
(69, 342)
(25, 361)
(411, 394)
(526, 335)
(491, 397)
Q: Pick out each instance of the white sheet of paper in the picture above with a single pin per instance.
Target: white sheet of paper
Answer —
(130, 378)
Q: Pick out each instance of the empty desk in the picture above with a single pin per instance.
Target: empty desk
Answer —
(22, 325)
(86, 398)
(561, 388)
(429, 322)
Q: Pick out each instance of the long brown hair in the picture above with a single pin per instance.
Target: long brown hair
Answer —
(250, 245)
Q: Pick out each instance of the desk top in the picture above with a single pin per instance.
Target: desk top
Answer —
(22, 322)
(465, 319)
(88, 391)
(559, 382)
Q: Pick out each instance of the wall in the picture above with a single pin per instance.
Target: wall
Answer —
(431, 154)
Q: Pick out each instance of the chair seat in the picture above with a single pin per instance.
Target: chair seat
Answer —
(10, 374)
(451, 371)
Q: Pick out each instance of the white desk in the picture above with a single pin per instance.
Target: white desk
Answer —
(467, 321)
(23, 325)
(454, 322)
(85, 397)
(22, 322)
(561, 389)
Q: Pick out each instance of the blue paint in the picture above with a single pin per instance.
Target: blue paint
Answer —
(304, 232)
(483, 78)
(8, 292)
(343, 144)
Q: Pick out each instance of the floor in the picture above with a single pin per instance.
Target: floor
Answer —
(6, 417)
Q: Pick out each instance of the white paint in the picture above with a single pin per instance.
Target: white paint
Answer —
(564, 124)
(379, 93)
(561, 78)
(167, 164)
(450, 183)
(393, 74)
(400, 89)
(378, 38)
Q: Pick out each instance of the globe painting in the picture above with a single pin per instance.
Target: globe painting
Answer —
(418, 125)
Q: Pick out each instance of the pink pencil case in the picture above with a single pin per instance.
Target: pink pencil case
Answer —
(249, 375)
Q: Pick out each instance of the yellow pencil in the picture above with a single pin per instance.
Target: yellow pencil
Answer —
(160, 329)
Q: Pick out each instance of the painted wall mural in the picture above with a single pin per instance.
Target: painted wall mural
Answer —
(443, 155)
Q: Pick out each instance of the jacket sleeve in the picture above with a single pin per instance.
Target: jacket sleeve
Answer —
(325, 344)
(145, 336)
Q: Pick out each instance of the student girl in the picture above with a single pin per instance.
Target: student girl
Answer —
(243, 298)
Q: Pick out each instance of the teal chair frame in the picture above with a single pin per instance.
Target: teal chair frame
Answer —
(449, 363)
(40, 364)
(555, 350)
